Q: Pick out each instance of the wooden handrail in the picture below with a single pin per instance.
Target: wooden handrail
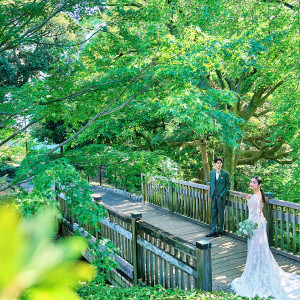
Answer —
(192, 200)
(150, 249)
(285, 203)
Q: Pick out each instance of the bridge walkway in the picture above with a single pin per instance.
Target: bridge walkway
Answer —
(228, 254)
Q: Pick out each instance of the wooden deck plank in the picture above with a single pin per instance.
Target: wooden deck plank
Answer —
(228, 254)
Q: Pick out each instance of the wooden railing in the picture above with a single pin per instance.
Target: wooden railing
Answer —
(284, 220)
(148, 255)
(192, 200)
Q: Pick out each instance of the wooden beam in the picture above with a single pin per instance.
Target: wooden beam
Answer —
(124, 266)
(169, 258)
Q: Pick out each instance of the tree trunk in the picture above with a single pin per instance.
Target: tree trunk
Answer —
(229, 161)
(205, 161)
(26, 146)
(211, 155)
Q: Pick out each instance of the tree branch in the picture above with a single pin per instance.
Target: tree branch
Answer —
(120, 4)
(7, 186)
(250, 157)
(254, 103)
(230, 84)
(204, 83)
(185, 144)
(63, 45)
(141, 134)
(262, 113)
(285, 162)
(79, 93)
(220, 79)
(290, 6)
(240, 83)
(103, 112)
(21, 130)
(35, 28)
(272, 90)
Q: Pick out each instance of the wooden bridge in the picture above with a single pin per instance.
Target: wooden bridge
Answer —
(162, 237)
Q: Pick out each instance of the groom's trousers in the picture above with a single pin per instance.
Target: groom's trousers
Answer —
(218, 207)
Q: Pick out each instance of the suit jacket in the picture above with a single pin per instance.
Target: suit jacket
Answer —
(223, 183)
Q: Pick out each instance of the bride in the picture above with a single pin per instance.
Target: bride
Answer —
(262, 276)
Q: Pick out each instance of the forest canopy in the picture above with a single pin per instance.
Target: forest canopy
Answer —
(163, 86)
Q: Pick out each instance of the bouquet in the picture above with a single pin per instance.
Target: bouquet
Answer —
(246, 229)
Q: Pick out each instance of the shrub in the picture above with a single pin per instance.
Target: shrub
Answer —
(92, 291)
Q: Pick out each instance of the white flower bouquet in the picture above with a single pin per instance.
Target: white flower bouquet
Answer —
(246, 229)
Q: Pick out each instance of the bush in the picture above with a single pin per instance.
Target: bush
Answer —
(92, 291)
(8, 170)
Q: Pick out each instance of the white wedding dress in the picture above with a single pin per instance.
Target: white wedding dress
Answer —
(262, 276)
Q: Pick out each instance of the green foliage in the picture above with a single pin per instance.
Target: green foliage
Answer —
(201, 111)
(224, 74)
(124, 168)
(51, 177)
(91, 291)
(185, 46)
(281, 180)
(32, 265)
(53, 132)
(9, 198)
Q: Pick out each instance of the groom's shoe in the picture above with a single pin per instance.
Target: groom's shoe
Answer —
(218, 234)
(211, 234)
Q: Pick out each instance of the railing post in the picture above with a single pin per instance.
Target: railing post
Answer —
(100, 176)
(58, 222)
(268, 215)
(204, 272)
(209, 208)
(98, 199)
(171, 197)
(144, 193)
(134, 218)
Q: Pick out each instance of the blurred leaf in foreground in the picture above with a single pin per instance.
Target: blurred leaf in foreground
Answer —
(32, 265)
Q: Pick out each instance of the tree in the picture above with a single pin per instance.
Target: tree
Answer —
(32, 39)
(26, 39)
(238, 71)
(215, 73)
(252, 57)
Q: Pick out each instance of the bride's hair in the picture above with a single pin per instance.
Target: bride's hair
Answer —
(259, 181)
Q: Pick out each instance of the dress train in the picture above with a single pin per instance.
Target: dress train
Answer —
(262, 276)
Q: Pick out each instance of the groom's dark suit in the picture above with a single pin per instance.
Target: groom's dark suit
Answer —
(218, 193)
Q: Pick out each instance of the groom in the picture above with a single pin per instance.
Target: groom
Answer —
(219, 188)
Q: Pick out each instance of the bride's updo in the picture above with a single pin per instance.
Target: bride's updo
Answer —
(259, 181)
